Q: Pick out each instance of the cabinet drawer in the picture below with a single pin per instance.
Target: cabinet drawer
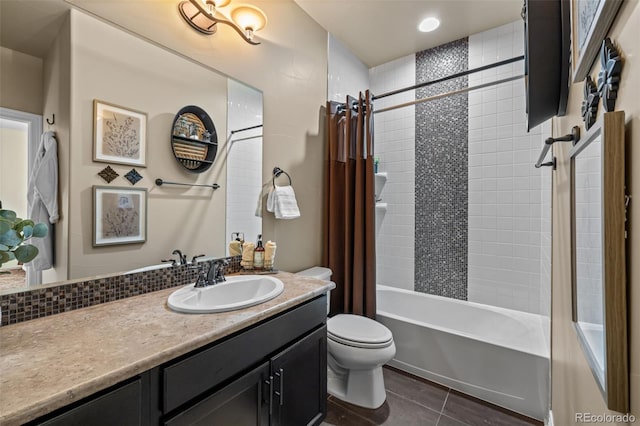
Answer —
(190, 377)
(121, 406)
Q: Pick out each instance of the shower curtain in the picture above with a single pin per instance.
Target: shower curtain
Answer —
(349, 214)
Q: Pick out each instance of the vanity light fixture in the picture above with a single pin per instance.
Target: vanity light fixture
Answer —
(429, 24)
(204, 15)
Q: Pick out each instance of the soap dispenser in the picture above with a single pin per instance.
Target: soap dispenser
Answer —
(258, 254)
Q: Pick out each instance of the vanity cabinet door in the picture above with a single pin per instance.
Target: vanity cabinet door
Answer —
(300, 382)
(243, 402)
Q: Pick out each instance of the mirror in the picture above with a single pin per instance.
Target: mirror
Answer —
(244, 161)
(598, 254)
(194, 140)
(142, 75)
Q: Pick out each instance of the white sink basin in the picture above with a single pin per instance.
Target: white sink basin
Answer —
(236, 293)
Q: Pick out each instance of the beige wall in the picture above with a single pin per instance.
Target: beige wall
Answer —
(118, 68)
(574, 388)
(20, 81)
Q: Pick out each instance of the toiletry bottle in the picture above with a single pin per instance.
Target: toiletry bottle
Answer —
(258, 254)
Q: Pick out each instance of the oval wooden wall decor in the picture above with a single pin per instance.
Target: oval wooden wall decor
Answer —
(194, 139)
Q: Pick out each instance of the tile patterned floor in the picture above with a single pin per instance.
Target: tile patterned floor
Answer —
(414, 401)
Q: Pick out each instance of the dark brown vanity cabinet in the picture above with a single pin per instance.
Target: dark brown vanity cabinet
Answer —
(289, 389)
(278, 367)
(299, 376)
(273, 373)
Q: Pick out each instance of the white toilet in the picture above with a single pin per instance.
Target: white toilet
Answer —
(358, 347)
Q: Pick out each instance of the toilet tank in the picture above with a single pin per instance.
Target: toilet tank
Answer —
(319, 273)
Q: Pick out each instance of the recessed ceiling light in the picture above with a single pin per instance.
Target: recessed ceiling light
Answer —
(429, 24)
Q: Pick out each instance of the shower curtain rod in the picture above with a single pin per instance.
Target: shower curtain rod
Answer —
(450, 77)
(444, 95)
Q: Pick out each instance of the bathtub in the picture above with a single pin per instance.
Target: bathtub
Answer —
(495, 354)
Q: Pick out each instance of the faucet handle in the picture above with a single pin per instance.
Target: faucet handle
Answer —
(173, 261)
(202, 280)
(195, 258)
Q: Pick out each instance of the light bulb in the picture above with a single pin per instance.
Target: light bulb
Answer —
(249, 18)
(212, 5)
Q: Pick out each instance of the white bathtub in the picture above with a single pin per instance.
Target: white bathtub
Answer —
(495, 354)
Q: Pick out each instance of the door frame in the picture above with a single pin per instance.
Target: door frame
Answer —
(34, 132)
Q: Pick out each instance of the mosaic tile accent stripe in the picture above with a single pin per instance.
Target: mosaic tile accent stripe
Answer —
(441, 183)
(42, 302)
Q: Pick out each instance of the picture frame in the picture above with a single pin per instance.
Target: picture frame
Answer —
(119, 134)
(119, 215)
(590, 23)
(598, 255)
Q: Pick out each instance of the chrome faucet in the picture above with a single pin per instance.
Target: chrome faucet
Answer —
(182, 258)
(215, 275)
(216, 272)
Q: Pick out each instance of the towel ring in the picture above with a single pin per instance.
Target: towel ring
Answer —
(277, 171)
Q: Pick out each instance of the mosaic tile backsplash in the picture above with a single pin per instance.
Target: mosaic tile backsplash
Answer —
(42, 302)
(441, 174)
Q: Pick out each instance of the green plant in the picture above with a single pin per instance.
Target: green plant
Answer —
(14, 232)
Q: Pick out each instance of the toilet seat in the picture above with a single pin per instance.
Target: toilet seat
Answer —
(358, 331)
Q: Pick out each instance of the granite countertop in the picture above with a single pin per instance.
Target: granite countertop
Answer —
(50, 362)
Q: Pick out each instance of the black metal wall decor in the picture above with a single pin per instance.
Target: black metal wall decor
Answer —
(108, 174)
(609, 77)
(133, 176)
(590, 103)
(194, 139)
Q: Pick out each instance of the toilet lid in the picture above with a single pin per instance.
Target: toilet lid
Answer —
(358, 331)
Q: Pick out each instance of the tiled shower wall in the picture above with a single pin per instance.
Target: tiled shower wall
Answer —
(346, 74)
(244, 161)
(395, 133)
(441, 176)
(505, 204)
(588, 213)
(508, 199)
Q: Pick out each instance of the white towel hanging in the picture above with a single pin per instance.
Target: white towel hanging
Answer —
(282, 202)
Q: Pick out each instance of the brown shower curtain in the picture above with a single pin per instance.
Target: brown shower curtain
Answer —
(349, 215)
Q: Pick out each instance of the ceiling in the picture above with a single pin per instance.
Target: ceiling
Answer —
(30, 26)
(378, 31)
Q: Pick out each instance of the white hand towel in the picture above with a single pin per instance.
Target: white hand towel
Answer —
(284, 200)
(271, 202)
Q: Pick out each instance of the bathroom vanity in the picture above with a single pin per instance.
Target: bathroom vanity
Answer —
(136, 362)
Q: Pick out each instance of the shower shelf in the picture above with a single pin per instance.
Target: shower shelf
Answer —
(380, 180)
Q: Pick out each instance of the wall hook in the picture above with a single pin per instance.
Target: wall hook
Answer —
(53, 120)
